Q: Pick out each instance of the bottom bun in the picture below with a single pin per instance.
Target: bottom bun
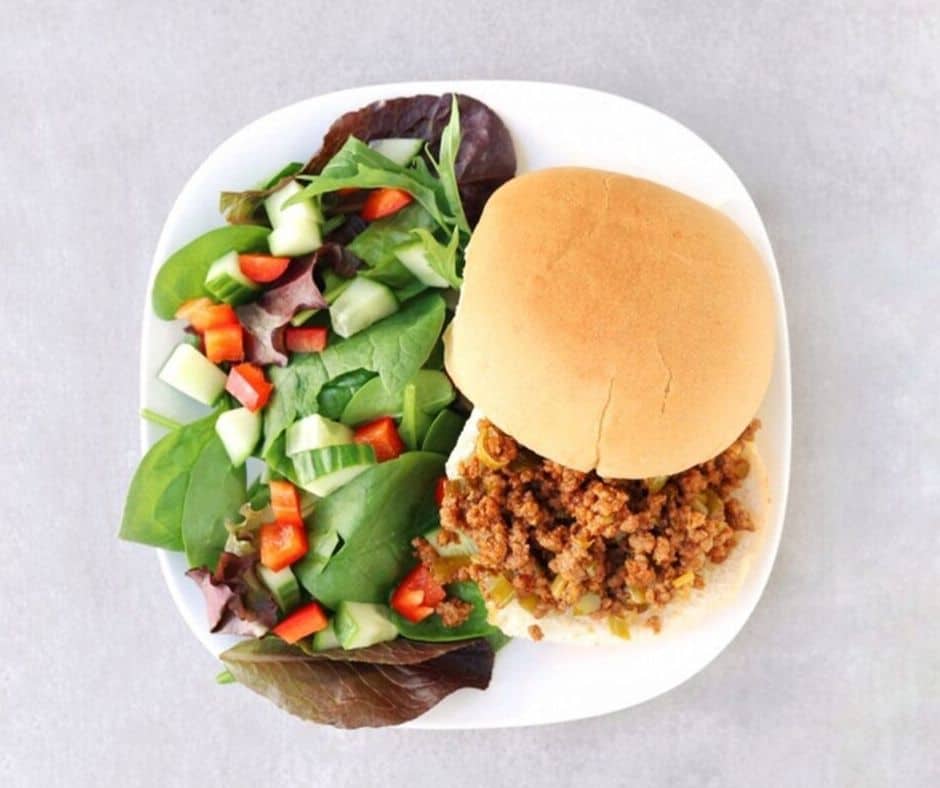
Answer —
(722, 581)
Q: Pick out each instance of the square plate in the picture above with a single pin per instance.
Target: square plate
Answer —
(551, 124)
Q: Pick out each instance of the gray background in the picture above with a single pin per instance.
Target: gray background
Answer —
(830, 113)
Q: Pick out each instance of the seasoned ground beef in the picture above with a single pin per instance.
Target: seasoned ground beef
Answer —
(563, 539)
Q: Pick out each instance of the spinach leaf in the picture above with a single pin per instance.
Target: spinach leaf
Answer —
(183, 275)
(335, 395)
(385, 684)
(434, 391)
(395, 348)
(433, 629)
(182, 491)
(377, 515)
(215, 493)
(357, 166)
(447, 166)
(443, 433)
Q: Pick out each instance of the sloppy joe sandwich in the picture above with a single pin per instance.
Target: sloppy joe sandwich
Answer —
(616, 338)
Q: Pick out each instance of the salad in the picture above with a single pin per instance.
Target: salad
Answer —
(310, 329)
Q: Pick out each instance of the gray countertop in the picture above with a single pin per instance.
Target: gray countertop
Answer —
(829, 112)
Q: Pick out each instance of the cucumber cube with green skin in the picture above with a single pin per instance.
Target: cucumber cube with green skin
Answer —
(414, 256)
(316, 432)
(361, 624)
(294, 239)
(302, 212)
(400, 150)
(283, 586)
(239, 430)
(227, 283)
(325, 639)
(190, 372)
(361, 304)
(321, 471)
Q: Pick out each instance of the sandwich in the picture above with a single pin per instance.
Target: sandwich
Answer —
(616, 338)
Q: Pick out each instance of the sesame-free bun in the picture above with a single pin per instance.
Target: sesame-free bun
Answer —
(611, 323)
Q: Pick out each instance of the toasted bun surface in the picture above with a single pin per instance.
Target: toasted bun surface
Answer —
(611, 323)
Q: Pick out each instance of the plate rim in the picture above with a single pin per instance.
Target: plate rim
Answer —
(391, 89)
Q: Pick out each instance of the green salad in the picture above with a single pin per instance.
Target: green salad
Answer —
(311, 330)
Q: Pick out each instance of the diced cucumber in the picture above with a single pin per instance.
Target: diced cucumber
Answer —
(283, 586)
(227, 283)
(464, 547)
(325, 639)
(361, 304)
(240, 430)
(303, 212)
(294, 239)
(190, 372)
(315, 432)
(361, 624)
(443, 433)
(400, 150)
(414, 256)
(321, 471)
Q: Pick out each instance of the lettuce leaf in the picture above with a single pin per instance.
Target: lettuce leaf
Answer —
(236, 601)
(386, 684)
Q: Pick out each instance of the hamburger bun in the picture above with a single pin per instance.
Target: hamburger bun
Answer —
(611, 323)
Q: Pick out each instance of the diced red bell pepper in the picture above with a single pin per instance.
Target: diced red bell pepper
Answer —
(417, 595)
(225, 343)
(440, 490)
(262, 267)
(306, 340)
(204, 315)
(282, 544)
(304, 621)
(285, 502)
(382, 435)
(384, 202)
(247, 384)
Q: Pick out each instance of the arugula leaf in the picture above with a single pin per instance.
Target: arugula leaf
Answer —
(357, 166)
(335, 395)
(183, 275)
(181, 489)
(377, 515)
(433, 629)
(377, 243)
(447, 164)
(442, 259)
(385, 684)
(433, 389)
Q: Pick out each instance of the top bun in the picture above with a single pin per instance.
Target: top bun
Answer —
(611, 323)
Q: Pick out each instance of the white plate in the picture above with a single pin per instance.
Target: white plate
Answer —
(551, 124)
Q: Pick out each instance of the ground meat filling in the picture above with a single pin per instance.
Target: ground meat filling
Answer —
(567, 540)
